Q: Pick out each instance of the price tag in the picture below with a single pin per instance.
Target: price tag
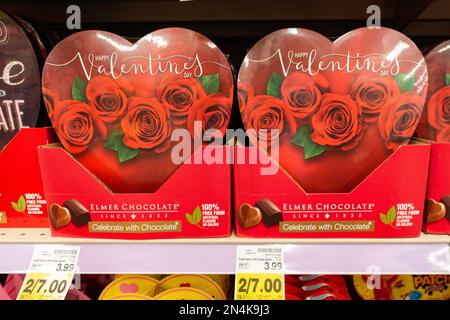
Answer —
(50, 273)
(259, 273)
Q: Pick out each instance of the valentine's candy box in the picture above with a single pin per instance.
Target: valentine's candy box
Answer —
(332, 111)
(115, 105)
(437, 206)
(386, 204)
(435, 126)
(22, 199)
(195, 201)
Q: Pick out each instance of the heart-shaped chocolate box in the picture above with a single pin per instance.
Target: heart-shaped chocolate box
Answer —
(435, 122)
(340, 108)
(19, 81)
(114, 104)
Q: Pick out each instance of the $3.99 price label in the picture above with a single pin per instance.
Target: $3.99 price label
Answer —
(50, 274)
(259, 273)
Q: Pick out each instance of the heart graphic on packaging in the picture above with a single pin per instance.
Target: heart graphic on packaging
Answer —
(435, 122)
(114, 105)
(336, 110)
(19, 81)
(128, 288)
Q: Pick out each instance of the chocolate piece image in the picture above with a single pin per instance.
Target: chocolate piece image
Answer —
(59, 216)
(435, 211)
(271, 214)
(248, 216)
(446, 201)
(80, 215)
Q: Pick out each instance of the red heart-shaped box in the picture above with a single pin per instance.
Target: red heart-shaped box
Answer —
(435, 122)
(340, 108)
(114, 104)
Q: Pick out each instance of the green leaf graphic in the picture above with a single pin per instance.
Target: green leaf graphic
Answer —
(405, 81)
(189, 218)
(391, 214)
(274, 85)
(15, 206)
(303, 139)
(22, 204)
(384, 218)
(210, 83)
(79, 89)
(447, 79)
(197, 215)
(115, 143)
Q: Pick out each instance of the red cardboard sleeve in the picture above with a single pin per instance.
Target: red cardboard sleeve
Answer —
(22, 201)
(438, 193)
(386, 204)
(194, 202)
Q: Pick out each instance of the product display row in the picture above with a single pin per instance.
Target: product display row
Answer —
(339, 139)
(219, 287)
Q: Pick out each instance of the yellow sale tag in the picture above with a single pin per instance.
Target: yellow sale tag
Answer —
(50, 273)
(260, 286)
(46, 286)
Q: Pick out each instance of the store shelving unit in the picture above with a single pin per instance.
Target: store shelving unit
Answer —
(428, 254)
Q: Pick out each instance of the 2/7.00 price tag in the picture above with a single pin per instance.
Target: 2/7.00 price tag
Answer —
(259, 273)
(50, 273)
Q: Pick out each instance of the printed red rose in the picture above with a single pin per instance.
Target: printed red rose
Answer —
(179, 95)
(337, 123)
(398, 122)
(438, 109)
(107, 98)
(443, 135)
(245, 93)
(213, 111)
(372, 94)
(77, 125)
(270, 118)
(51, 100)
(146, 125)
(301, 93)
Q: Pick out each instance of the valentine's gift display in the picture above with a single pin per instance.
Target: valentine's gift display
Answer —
(115, 107)
(435, 125)
(22, 199)
(330, 123)
(225, 158)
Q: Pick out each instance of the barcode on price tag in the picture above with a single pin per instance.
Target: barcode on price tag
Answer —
(259, 273)
(50, 273)
(256, 259)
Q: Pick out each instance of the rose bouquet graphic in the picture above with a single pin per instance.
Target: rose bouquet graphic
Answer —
(318, 120)
(108, 109)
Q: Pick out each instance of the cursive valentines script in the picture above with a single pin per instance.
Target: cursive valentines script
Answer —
(152, 66)
(313, 64)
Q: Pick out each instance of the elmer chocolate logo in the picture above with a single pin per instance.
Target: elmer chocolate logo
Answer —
(114, 105)
(336, 109)
(19, 81)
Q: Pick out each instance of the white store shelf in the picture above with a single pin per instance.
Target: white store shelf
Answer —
(428, 254)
